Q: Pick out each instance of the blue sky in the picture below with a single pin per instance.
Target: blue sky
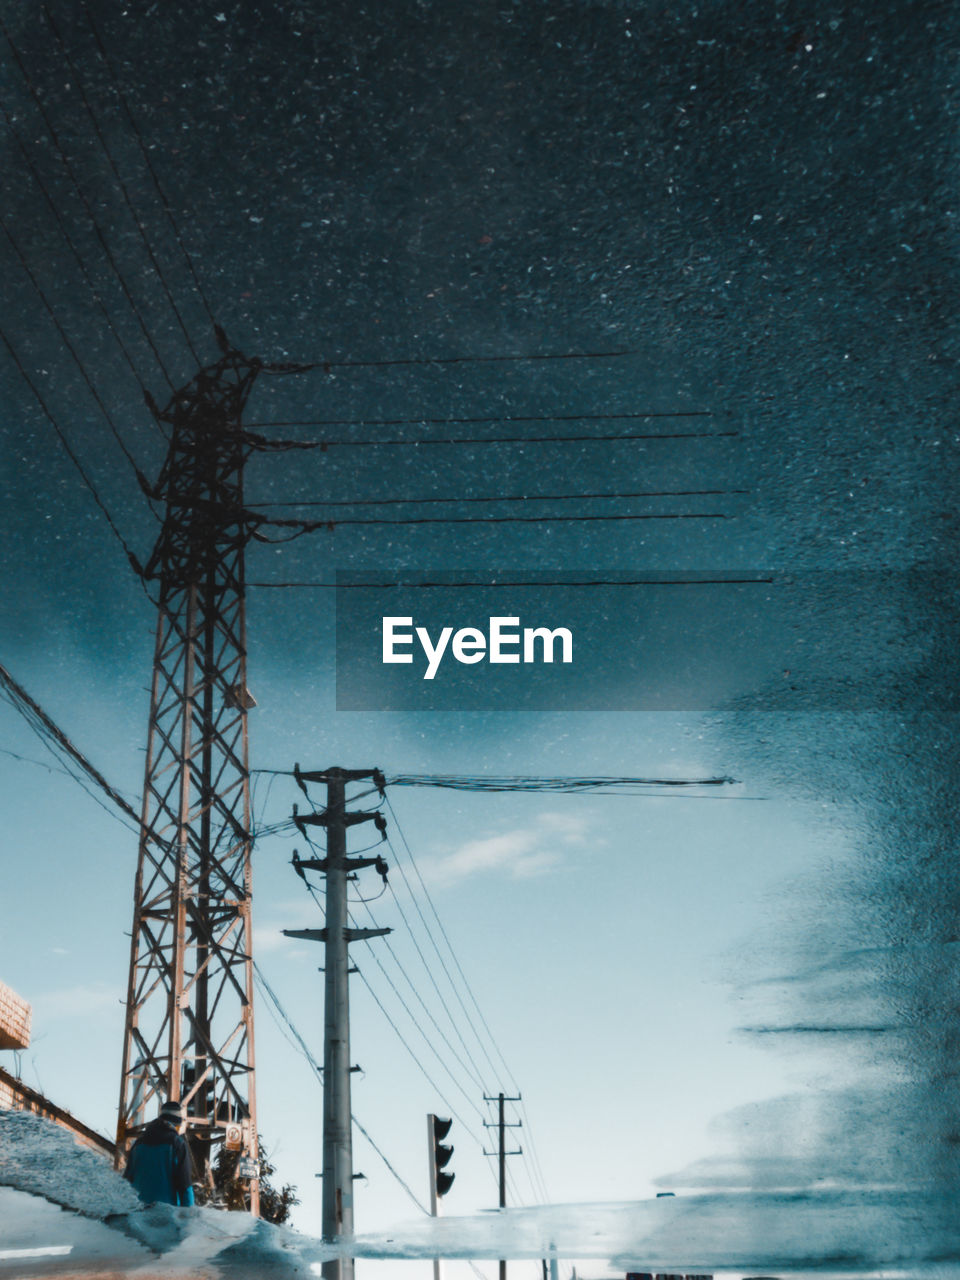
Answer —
(602, 937)
(754, 204)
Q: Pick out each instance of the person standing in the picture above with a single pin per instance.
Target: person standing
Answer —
(159, 1165)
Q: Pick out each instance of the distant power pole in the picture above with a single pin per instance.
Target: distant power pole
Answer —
(501, 1126)
(189, 1010)
(337, 867)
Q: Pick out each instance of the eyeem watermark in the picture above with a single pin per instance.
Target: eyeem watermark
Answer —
(502, 642)
(647, 640)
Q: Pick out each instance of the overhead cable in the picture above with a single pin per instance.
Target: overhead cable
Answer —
(73, 458)
(64, 160)
(57, 741)
(262, 443)
(275, 1000)
(76, 358)
(413, 987)
(410, 1014)
(577, 582)
(429, 932)
(400, 1036)
(74, 70)
(500, 417)
(497, 497)
(472, 1070)
(38, 179)
(453, 955)
(330, 526)
(327, 365)
(489, 782)
(144, 151)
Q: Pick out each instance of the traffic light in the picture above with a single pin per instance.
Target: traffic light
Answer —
(440, 1182)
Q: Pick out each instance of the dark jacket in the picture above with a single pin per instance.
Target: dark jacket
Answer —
(159, 1166)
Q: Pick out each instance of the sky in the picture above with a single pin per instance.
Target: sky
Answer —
(755, 205)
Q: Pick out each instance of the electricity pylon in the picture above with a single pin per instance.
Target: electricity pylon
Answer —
(189, 1011)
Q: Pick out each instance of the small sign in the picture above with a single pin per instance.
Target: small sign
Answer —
(247, 1167)
(233, 1137)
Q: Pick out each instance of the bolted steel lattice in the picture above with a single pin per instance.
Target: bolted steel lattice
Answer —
(189, 1015)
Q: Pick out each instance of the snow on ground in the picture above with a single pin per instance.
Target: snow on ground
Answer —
(38, 1238)
(39, 1156)
(852, 1233)
(65, 1212)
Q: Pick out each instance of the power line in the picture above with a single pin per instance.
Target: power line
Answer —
(64, 160)
(476, 1079)
(519, 782)
(620, 787)
(469, 989)
(517, 497)
(473, 1070)
(534, 1153)
(413, 1019)
(457, 585)
(50, 733)
(263, 444)
(500, 417)
(41, 764)
(315, 526)
(274, 998)
(73, 352)
(400, 1036)
(444, 965)
(453, 954)
(67, 772)
(120, 182)
(73, 457)
(433, 941)
(35, 172)
(326, 365)
(146, 156)
(406, 1186)
(57, 742)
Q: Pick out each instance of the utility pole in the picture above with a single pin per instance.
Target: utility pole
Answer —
(338, 868)
(188, 1034)
(501, 1126)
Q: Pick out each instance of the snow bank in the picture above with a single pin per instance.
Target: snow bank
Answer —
(43, 1158)
(848, 1232)
(830, 1232)
(115, 1231)
(217, 1243)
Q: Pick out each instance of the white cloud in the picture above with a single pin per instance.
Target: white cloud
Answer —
(76, 1002)
(268, 938)
(521, 853)
(567, 826)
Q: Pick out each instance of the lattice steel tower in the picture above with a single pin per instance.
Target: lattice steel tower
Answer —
(189, 1015)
